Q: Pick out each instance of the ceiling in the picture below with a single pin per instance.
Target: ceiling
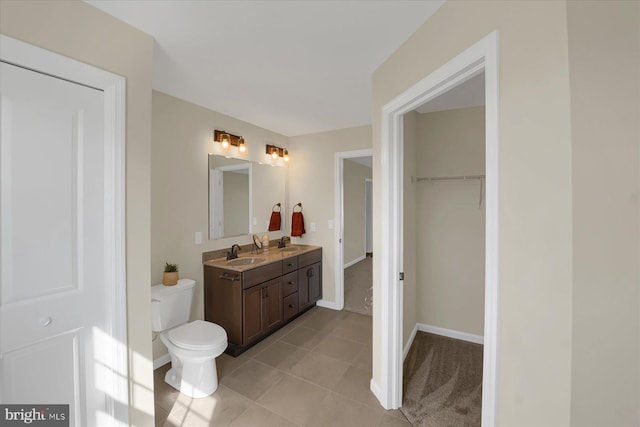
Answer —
(467, 94)
(293, 67)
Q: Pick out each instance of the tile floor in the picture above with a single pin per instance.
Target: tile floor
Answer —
(358, 280)
(315, 371)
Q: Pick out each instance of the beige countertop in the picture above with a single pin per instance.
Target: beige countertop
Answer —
(247, 261)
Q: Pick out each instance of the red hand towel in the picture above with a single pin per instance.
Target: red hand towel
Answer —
(274, 222)
(297, 224)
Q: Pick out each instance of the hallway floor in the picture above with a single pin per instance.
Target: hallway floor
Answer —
(313, 372)
(358, 280)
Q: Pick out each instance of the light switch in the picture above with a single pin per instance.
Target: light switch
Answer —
(255, 221)
(198, 237)
(330, 224)
(313, 226)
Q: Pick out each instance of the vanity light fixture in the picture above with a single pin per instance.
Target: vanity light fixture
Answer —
(242, 147)
(227, 140)
(275, 152)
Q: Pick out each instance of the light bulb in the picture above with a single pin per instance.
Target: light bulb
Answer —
(241, 145)
(274, 153)
(286, 155)
(224, 140)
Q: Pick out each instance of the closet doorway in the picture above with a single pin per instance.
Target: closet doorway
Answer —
(353, 277)
(444, 247)
(480, 57)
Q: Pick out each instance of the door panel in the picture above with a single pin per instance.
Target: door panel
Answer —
(53, 290)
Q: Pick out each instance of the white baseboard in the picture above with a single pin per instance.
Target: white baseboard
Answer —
(377, 392)
(328, 304)
(355, 261)
(161, 361)
(464, 336)
(407, 346)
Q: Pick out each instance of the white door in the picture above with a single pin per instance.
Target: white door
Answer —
(54, 309)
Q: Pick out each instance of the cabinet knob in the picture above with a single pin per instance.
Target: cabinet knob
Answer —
(290, 305)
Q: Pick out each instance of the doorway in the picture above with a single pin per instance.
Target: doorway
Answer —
(358, 233)
(67, 203)
(480, 57)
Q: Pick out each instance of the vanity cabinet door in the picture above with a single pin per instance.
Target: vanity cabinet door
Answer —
(272, 304)
(262, 306)
(309, 285)
(253, 314)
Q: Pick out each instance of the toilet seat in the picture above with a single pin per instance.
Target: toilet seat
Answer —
(198, 335)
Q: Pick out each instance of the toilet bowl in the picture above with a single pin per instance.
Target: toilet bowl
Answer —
(193, 346)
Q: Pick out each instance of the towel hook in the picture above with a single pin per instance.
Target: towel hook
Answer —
(277, 205)
(298, 205)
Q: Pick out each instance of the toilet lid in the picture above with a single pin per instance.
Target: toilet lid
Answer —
(198, 335)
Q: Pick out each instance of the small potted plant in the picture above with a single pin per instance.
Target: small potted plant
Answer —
(170, 275)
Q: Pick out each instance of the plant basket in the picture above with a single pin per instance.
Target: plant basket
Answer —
(170, 278)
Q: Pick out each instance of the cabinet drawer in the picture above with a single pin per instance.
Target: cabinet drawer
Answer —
(290, 306)
(290, 283)
(309, 258)
(261, 274)
(289, 264)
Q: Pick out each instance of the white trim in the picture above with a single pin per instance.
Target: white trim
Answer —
(114, 87)
(464, 336)
(409, 342)
(354, 261)
(161, 361)
(329, 304)
(459, 335)
(375, 389)
(483, 55)
(339, 221)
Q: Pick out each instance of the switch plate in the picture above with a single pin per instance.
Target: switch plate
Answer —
(313, 226)
(198, 237)
(330, 224)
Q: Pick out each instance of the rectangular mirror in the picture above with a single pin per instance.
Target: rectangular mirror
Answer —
(242, 195)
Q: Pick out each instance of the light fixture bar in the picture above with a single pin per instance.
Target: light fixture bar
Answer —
(234, 140)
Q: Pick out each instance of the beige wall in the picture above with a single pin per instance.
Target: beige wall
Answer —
(604, 54)
(450, 220)
(311, 181)
(355, 210)
(84, 33)
(182, 137)
(534, 358)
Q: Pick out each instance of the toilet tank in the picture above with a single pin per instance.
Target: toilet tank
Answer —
(171, 305)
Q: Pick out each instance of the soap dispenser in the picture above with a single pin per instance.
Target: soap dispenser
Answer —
(265, 242)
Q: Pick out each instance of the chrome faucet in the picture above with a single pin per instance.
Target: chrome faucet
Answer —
(233, 253)
(282, 243)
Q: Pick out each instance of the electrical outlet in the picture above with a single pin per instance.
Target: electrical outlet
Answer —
(330, 224)
(313, 226)
(198, 237)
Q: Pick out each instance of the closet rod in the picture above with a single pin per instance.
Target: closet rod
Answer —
(451, 178)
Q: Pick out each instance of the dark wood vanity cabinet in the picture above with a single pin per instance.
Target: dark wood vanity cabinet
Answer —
(251, 304)
(262, 307)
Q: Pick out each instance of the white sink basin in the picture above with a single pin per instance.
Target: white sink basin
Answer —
(245, 261)
(291, 249)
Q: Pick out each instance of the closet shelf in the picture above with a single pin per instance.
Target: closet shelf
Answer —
(457, 178)
(450, 178)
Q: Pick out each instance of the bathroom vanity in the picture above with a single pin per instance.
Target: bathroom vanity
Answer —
(253, 295)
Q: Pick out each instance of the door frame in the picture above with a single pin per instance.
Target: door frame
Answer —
(114, 362)
(339, 224)
(483, 55)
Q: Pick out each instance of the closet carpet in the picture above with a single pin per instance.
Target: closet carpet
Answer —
(358, 280)
(442, 382)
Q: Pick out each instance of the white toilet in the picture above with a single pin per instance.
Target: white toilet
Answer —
(193, 346)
